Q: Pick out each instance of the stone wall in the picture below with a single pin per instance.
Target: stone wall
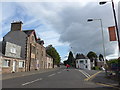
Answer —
(10, 68)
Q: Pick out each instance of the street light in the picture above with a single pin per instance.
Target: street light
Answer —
(115, 20)
(89, 20)
(103, 2)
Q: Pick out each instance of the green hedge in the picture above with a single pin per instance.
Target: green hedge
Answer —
(113, 61)
(96, 68)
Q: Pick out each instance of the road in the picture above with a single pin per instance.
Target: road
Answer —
(60, 78)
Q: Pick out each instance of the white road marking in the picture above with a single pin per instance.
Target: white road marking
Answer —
(58, 72)
(51, 75)
(87, 74)
(63, 69)
(31, 82)
(84, 73)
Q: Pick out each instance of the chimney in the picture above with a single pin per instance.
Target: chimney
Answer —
(42, 42)
(38, 39)
(16, 26)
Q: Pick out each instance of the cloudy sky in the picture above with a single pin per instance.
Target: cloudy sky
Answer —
(63, 23)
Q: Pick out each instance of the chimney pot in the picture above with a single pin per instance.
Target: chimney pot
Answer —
(16, 26)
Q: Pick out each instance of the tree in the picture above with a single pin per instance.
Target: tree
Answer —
(71, 60)
(77, 56)
(101, 57)
(93, 57)
(65, 62)
(50, 50)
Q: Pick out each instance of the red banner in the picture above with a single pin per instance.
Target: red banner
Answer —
(112, 33)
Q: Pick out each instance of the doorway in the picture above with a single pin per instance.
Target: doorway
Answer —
(14, 66)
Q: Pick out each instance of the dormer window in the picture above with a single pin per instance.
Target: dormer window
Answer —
(13, 50)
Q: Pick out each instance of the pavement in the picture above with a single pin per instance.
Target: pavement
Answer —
(20, 74)
(101, 79)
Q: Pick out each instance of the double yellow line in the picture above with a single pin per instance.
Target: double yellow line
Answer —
(92, 76)
(107, 85)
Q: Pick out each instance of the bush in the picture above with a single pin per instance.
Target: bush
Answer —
(95, 68)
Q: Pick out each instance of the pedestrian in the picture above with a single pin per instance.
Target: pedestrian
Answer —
(67, 66)
(102, 68)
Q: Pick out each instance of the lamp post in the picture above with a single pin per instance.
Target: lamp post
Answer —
(116, 25)
(115, 20)
(105, 64)
(89, 20)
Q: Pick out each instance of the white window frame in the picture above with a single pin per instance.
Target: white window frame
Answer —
(21, 64)
(81, 61)
(13, 50)
(6, 63)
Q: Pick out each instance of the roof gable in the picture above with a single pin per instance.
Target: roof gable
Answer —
(29, 32)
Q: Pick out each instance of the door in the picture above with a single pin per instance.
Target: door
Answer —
(14, 66)
(37, 64)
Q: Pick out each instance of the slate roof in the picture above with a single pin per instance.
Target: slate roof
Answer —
(48, 55)
(40, 42)
(81, 56)
(29, 32)
(18, 38)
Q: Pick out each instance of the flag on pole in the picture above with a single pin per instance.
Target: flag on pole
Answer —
(112, 33)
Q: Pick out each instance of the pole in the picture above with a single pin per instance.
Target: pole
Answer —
(103, 42)
(115, 20)
(105, 64)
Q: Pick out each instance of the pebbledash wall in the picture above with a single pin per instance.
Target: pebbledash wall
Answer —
(83, 63)
(11, 60)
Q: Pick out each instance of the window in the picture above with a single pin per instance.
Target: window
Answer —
(86, 61)
(21, 64)
(33, 49)
(13, 50)
(6, 63)
(76, 61)
(81, 61)
(37, 52)
(42, 53)
(86, 66)
(48, 65)
(33, 38)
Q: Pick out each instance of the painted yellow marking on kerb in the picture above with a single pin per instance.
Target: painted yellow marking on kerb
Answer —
(92, 76)
(108, 85)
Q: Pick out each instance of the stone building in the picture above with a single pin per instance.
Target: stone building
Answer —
(41, 53)
(11, 60)
(30, 49)
(49, 61)
(33, 53)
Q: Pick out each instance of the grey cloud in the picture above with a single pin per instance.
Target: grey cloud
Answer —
(70, 21)
(84, 36)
